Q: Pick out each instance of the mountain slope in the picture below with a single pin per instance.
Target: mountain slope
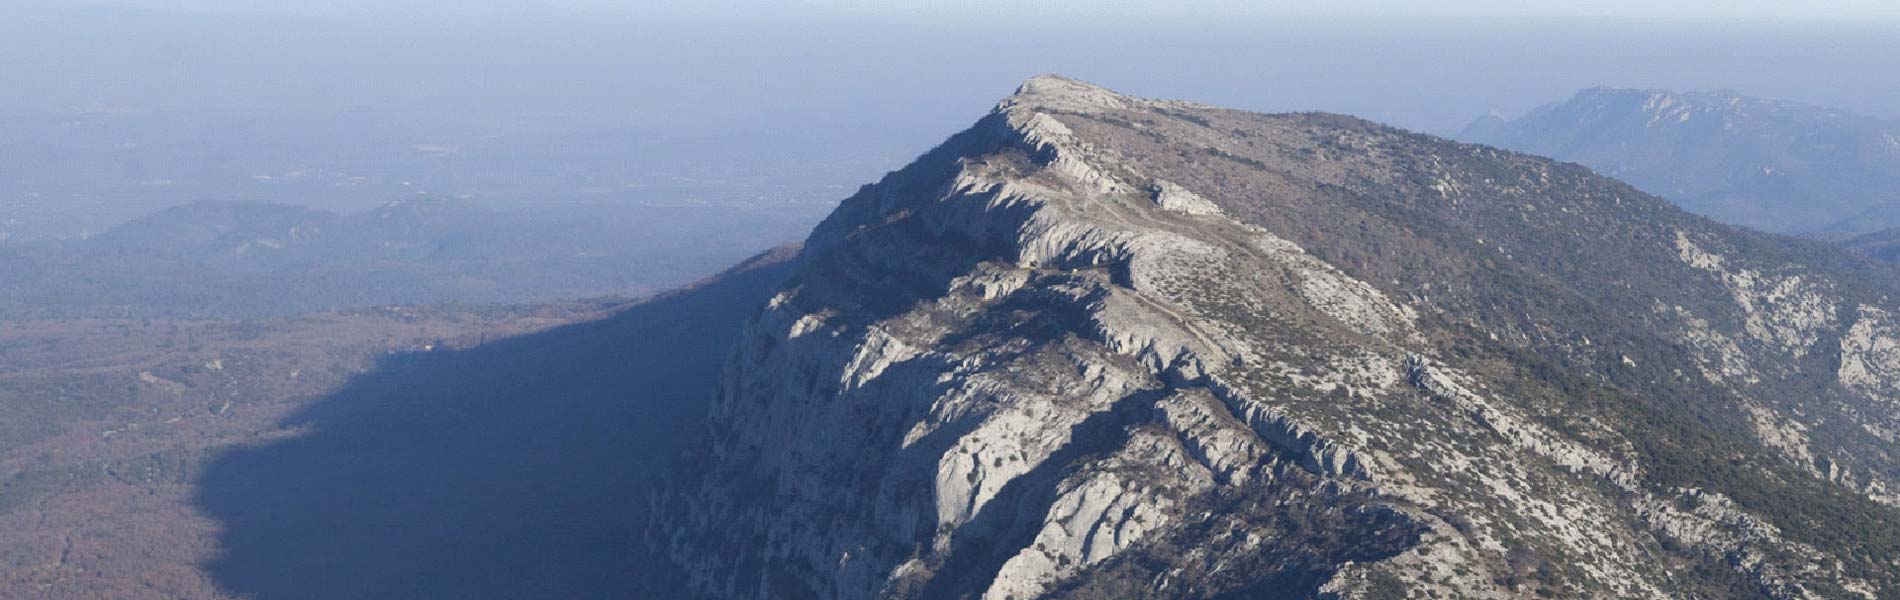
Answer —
(1101, 346)
(1772, 165)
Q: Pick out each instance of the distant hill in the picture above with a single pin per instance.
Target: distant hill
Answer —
(77, 173)
(1776, 166)
(246, 259)
(1883, 244)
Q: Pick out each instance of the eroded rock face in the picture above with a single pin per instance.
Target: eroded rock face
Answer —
(1870, 353)
(1053, 358)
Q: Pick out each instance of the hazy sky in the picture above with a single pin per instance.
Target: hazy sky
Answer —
(1490, 9)
(729, 65)
(871, 84)
(1065, 10)
(713, 64)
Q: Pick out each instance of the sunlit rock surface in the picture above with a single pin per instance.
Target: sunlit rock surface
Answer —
(1102, 346)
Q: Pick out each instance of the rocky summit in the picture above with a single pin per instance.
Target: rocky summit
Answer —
(1098, 346)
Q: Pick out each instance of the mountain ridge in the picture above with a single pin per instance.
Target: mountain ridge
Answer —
(1101, 346)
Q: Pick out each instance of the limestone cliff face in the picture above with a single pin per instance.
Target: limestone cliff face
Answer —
(1101, 346)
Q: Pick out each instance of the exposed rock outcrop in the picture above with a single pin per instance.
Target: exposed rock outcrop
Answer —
(1102, 346)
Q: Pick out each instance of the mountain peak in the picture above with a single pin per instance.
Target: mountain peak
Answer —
(1097, 341)
(1056, 91)
(1654, 100)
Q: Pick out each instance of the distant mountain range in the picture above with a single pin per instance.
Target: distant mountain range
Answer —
(246, 259)
(1777, 166)
(75, 173)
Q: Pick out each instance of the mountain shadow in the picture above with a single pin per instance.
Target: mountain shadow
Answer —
(519, 468)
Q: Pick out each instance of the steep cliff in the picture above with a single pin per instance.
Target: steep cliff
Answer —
(1101, 346)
